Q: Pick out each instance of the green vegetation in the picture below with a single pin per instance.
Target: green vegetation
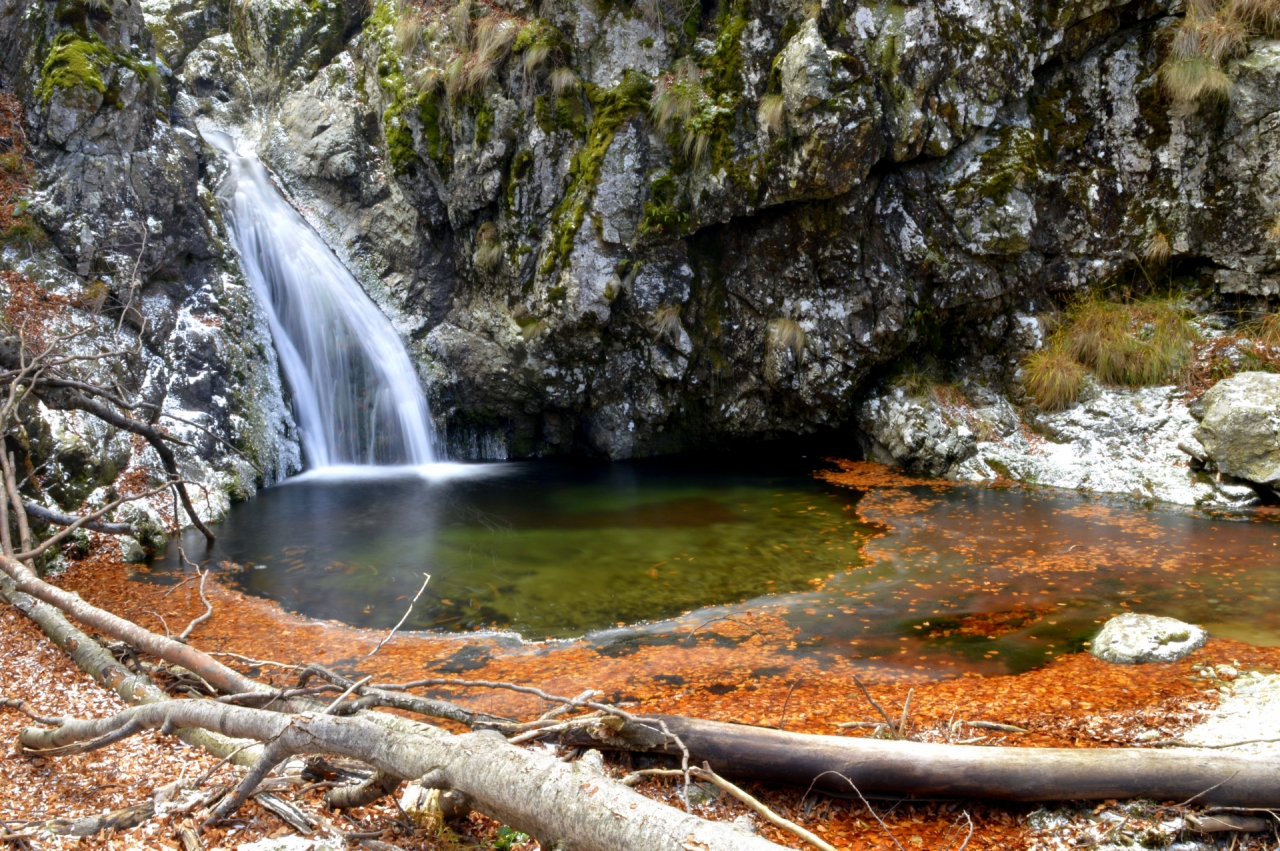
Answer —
(611, 108)
(1135, 343)
(80, 59)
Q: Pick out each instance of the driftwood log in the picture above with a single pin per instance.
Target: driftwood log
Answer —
(850, 765)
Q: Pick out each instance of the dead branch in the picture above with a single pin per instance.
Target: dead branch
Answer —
(208, 607)
(57, 518)
(568, 803)
(405, 617)
(742, 795)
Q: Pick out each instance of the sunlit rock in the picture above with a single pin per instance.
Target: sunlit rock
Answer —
(1133, 639)
(1240, 427)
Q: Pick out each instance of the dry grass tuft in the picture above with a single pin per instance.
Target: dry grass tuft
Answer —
(677, 96)
(1194, 79)
(787, 334)
(1053, 378)
(408, 32)
(1157, 252)
(772, 113)
(665, 323)
(488, 247)
(1136, 344)
(1273, 232)
(562, 81)
(1259, 16)
(535, 57)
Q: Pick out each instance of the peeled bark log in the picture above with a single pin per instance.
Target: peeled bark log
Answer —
(133, 688)
(570, 805)
(841, 765)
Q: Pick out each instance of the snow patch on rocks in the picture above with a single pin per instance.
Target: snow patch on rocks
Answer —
(1251, 711)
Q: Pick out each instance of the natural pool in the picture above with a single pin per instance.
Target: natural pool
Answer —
(862, 564)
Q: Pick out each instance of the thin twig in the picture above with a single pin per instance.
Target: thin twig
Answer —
(328, 710)
(208, 607)
(875, 705)
(753, 803)
(865, 803)
(782, 717)
(404, 618)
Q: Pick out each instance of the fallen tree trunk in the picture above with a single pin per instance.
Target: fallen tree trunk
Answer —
(95, 661)
(569, 805)
(850, 765)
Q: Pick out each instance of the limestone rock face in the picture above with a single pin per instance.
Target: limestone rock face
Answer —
(912, 432)
(1133, 639)
(121, 193)
(939, 172)
(1240, 427)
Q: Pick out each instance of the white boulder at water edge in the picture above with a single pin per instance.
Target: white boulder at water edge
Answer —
(1133, 639)
(1240, 427)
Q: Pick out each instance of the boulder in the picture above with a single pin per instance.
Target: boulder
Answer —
(914, 432)
(1133, 639)
(1240, 427)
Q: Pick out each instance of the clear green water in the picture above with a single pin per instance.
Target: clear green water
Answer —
(546, 549)
(962, 578)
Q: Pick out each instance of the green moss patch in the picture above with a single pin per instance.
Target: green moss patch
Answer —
(611, 107)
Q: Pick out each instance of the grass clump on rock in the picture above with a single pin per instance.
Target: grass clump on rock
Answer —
(1136, 343)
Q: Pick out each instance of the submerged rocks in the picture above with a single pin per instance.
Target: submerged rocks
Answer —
(1240, 427)
(1132, 639)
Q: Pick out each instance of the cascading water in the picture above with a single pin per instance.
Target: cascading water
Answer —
(355, 393)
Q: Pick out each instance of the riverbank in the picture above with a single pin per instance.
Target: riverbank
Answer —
(757, 665)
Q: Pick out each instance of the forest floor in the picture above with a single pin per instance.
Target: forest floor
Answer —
(746, 669)
(1074, 701)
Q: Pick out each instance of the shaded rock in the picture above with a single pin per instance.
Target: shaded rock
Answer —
(1132, 639)
(914, 432)
(1240, 427)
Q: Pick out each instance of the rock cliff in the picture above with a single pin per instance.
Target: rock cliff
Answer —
(623, 229)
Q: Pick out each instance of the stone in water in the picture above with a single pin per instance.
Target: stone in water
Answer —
(1132, 639)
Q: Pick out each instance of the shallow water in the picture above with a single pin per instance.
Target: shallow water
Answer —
(546, 549)
(923, 577)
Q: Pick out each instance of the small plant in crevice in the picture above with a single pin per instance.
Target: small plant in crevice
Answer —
(1273, 232)
(488, 256)
(786, 334)
(1157, 252)
(772, 113)
(665, 323)
(681, 102)
(563, 81)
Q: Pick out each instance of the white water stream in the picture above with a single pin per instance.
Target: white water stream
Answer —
(356, 395)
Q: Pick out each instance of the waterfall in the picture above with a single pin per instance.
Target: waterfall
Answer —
(356, 395)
